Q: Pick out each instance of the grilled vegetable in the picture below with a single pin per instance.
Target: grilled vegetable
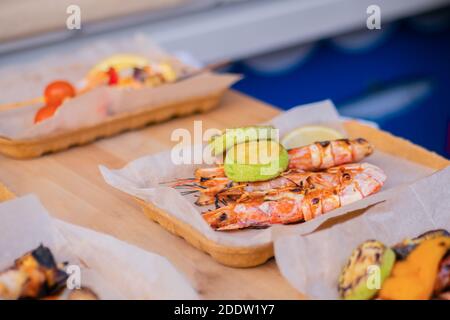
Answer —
(33, 276)
(355, 282)
(414, 278)
(403, 249)
(443, 277)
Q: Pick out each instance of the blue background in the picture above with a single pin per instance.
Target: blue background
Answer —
(398, 76)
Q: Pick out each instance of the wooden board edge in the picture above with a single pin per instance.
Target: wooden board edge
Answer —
(32, 148)
(237, 257)
(396, 146)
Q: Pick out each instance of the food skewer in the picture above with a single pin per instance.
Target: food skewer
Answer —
(353, 182)
(42, 99)
(36, 275)
(315, 179)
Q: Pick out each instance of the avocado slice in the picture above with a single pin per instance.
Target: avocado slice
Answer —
(221, 143)
(255, 161)
(354, 282)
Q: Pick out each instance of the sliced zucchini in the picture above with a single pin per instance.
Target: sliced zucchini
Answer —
(355, 280)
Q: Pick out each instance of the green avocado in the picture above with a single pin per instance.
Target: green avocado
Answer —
(255, 161)
(369, 265)
(221, 143)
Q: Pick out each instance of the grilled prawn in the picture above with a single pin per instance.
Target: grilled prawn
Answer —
(350, 183)
(327, 154)
(221, 189)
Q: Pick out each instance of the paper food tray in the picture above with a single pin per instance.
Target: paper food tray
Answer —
(252, 255)
(112, 268)
(35, 147)
(103, 111)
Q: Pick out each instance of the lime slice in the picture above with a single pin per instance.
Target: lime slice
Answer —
(309, 134)
(255, 161)
(119, 62)
(220, 144)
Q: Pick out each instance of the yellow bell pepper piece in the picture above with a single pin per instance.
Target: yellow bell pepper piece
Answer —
(414, 278)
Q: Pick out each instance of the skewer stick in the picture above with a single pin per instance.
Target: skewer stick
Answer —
(15, 105)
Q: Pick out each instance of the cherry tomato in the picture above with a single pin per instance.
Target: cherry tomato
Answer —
(57, 91)
(44, 113)
(113, 76)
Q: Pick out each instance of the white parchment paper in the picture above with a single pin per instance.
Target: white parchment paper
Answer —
(23, 82)
(313, 263)
(142, 178)
(112, 268)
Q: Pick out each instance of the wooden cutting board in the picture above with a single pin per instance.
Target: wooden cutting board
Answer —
(71, 188)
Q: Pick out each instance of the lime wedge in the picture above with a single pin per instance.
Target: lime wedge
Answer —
(309, 134)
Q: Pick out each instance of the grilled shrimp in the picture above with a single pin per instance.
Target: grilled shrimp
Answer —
(327, 154)
(222, 189)
(351, 182)
(313, 157)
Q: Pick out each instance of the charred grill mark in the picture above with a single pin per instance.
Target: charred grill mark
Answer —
(216, 202)
(185, 193)
(44, 277)
(361, 140)
(296, 184)
(194, 185)
(44, 257)
(262, 226)
(344, 140)
(358, 256)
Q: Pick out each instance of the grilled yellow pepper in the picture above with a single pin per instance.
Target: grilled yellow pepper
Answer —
(414, 278)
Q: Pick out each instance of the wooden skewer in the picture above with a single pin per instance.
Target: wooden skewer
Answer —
(15, 105)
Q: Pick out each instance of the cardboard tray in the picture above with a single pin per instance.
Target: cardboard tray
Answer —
(244, 257)
(31, 148)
